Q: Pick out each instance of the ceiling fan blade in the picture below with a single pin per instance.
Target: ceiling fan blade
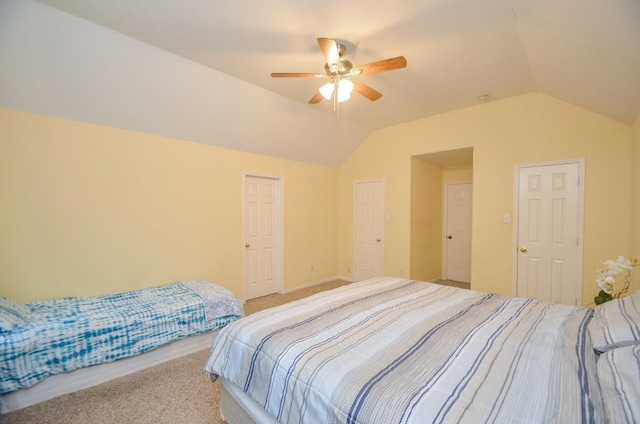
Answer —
(330, 50)
(381, 66)
(316, 98)
(367, 91)
(295, 75)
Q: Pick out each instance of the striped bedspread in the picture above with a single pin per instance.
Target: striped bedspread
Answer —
(398, 351)
(66, 334)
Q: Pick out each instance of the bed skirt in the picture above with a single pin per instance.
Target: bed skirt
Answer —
(83, 378)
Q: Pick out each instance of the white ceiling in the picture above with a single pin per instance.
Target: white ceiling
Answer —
(586, 52)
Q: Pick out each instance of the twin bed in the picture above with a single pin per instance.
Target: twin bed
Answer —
(55, 346)
(398, 351)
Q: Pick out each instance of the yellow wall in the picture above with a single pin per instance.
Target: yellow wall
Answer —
(635, 204)
(88, 209)
(427, 232)
(426, 220)
(527, 128)
(457, 173)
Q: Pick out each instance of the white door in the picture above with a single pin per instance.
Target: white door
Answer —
(261, 229)
(549, 232)
(458, 242)
(368, 227)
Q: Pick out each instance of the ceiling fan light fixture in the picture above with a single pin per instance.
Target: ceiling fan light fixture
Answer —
(327, 90)
(345, 88)
(342, 98)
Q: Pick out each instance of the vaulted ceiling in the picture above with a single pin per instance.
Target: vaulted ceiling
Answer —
(585, 52)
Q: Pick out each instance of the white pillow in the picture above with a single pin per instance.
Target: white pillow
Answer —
(618, 374)
(616, 323)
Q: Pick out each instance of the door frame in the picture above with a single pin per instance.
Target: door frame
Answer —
(580, 218)
(445, 250)
(353, 234)
(279, 242)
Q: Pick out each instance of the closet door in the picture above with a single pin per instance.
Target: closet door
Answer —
(458, 259)
(262, 218)
(549, 232)
(368, 227)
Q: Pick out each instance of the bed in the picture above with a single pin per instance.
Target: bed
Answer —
(46, 338)
(400, 351)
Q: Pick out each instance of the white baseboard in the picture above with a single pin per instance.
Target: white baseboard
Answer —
(83, 378)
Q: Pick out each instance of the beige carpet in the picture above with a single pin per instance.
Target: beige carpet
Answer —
(177, 391)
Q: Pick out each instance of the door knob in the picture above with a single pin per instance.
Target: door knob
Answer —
(449, 237)
(523, 249)
(378, 239)
(247, 245)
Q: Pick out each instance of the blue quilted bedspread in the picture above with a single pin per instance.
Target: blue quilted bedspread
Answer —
(65, 334)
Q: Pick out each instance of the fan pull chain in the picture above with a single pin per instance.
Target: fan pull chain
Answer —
(336, 104)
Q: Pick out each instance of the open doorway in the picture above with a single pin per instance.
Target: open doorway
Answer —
(432, 175)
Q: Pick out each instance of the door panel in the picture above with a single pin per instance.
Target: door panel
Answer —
(548, 233)
(458, 243)
(261, 229)
(368, 224)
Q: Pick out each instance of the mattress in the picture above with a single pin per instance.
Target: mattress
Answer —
(62, 335)
(401, 351)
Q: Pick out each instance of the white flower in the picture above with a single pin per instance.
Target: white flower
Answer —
(606, 284)
(606, 277)
(618, 265)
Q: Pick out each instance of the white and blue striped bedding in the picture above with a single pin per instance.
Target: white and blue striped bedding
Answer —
(398, 351)
(616, 323)
(65, 334)
(619, 376)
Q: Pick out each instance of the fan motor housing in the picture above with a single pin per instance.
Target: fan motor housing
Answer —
(343, 67)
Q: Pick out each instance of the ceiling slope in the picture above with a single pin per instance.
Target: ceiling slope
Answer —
(56, 64)
(214, 60)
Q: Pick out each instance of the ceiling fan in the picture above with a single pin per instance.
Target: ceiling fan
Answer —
(340, 71)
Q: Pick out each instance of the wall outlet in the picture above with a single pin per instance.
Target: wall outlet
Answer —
(401, 272)
(311, 268)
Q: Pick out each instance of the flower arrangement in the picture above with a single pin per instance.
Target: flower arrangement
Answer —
(607, 277)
